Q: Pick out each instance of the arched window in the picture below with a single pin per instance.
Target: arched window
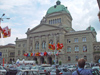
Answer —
(43, 45)
(23, 51)
(37, 45)
(98, 48)
(69, 58)
(59, 20)
(76, 49)
(84, 48)
(51, 42)
(53, 21)
(95, 48)
(77, 58)
(13, 59)
(19, 52)
(49, 22)
(68, 49)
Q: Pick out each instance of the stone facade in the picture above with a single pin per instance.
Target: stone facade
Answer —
(57, 27)
(96, 53)
(8, 53)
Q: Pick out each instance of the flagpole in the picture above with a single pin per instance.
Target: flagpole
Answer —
(55, 49)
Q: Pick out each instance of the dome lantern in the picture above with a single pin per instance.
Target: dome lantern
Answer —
(91, 28)
(58, 2)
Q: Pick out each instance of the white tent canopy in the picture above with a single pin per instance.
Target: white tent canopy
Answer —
(25, 61)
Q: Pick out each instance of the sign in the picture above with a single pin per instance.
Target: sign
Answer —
(0, 60)
(0, 53)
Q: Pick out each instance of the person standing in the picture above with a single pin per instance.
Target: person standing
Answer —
(81, 70)
(57, 70)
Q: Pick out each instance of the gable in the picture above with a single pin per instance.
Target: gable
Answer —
(41, 28)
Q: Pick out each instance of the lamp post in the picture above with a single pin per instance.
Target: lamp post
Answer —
(1, 19)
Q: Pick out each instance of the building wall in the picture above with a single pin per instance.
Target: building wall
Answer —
(96, 54)
(8, 53)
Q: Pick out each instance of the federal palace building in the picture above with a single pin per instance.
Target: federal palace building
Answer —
(55, 26)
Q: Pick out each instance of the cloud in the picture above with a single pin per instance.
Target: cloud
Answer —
(98, 35)
(26, 14)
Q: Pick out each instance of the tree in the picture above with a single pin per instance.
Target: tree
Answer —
(52, 62)
(45, 62)
(36, 62)
(60, 62)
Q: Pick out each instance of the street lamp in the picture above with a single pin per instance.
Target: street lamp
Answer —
(1, 19)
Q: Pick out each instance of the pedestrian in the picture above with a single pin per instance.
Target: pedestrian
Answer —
(57, 70)
(81, 70)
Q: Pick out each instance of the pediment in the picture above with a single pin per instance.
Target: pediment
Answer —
(43, 27)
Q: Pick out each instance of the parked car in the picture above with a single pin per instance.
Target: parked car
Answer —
(12, 71)
(2, 71)
(64, 71)
(47, 68)
(42, 70)
(95, 72)
(27, 72)
(53, 72)
(36, 68)
(96, 67)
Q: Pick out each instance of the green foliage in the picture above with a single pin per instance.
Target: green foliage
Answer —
(60, 62)
(45, 62)
(36, 62)
(52, 62)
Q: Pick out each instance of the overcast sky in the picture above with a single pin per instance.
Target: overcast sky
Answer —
(26, 14)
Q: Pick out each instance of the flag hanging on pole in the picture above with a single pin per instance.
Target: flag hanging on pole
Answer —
(6, 32)
(0, 35)
(0, 29)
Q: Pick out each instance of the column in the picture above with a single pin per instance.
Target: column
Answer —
(40, 43)
(27, 47)
(47, 42)
(33, 44)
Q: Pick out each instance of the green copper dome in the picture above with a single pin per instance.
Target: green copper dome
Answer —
(57, 8)
(91, 28)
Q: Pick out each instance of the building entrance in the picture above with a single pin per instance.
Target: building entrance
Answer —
(35, 59)
(42, 60)
(49, 60)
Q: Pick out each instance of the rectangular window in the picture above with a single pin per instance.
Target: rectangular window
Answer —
(49, 22)
(18, 52)
(77, 58)
(84, 39)
(69, 50)
(85, 57)
(23, 45)
(76, 39)
(69, 58)
(76, 49)
(19, 45)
